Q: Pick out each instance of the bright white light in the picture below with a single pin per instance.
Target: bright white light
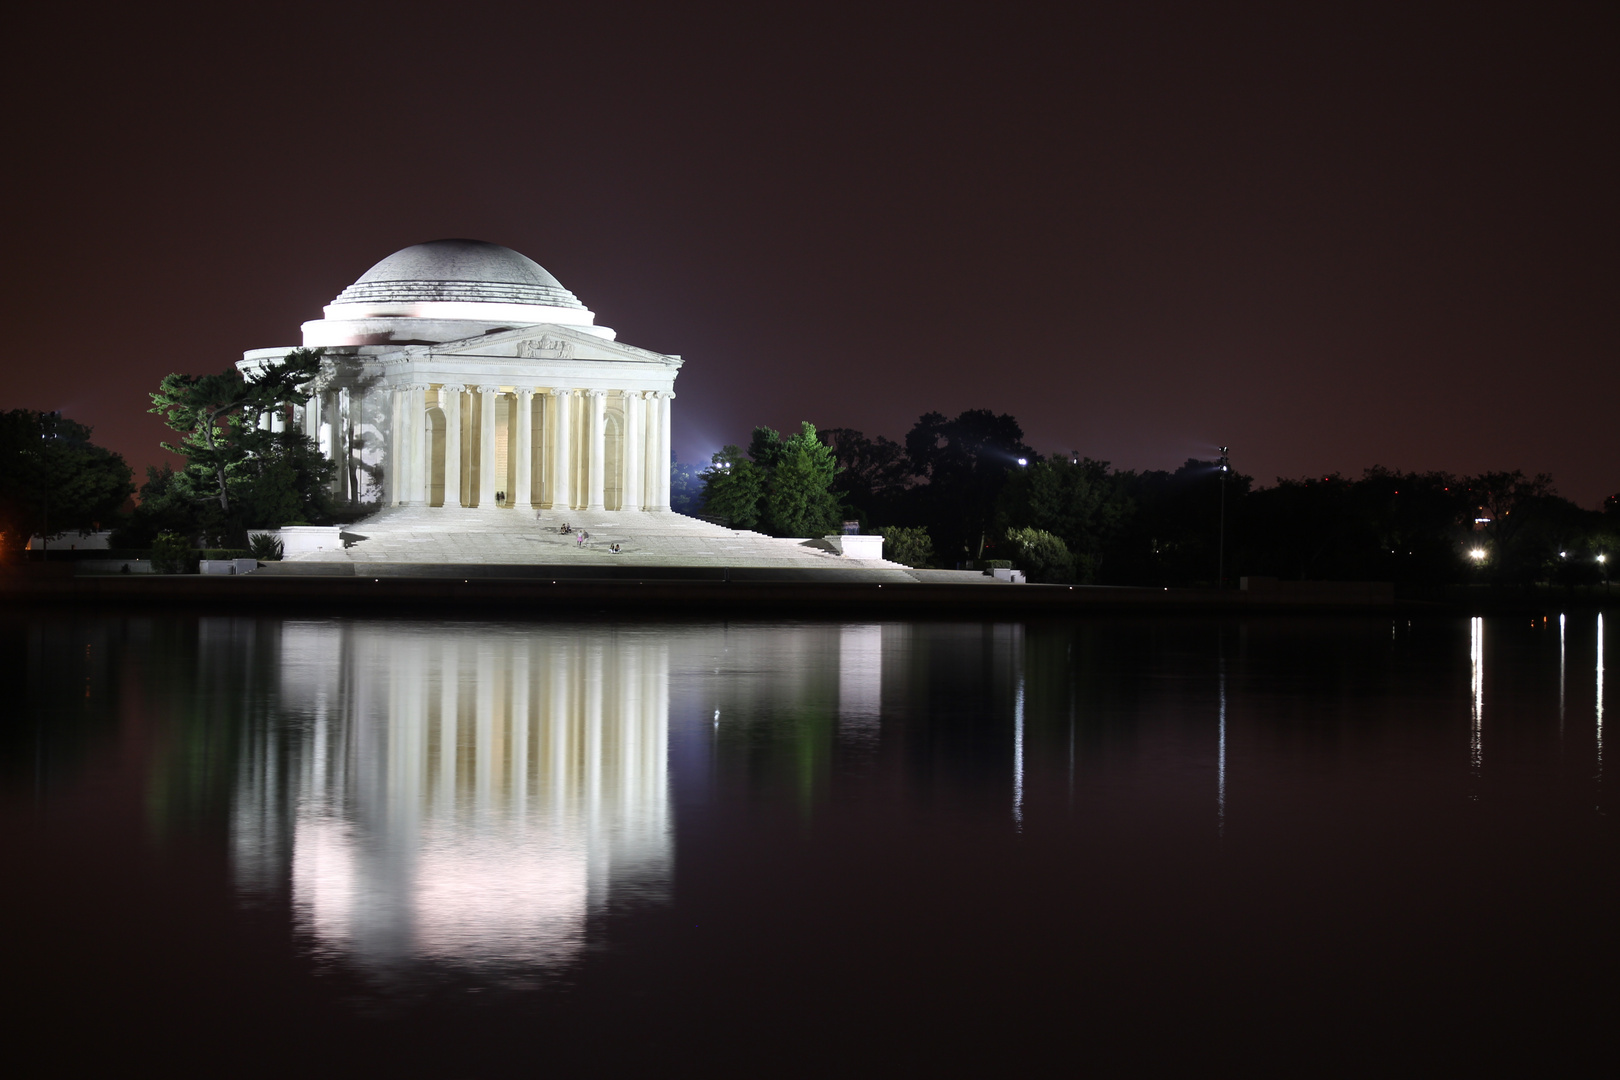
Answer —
(1603, 558)
(1023, 461)
(1477, 554)
(1563, 554)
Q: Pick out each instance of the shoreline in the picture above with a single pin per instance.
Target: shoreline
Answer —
(540, 591)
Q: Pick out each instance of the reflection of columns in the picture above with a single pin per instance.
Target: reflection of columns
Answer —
(486, 447)
(450, 405)
(597, 401)
(419, 449)
(524, 495)
(660, 479)
(631, 457)
(562, 490)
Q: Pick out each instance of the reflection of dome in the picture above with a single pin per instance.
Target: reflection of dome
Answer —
(448, 290)
(466, 270)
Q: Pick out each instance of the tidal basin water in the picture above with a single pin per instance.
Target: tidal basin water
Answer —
(390, 847)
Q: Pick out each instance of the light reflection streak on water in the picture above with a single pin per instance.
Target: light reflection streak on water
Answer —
(1561, 630)
(1599, 706)
(1220, 768)
(1476, 733)
(1018, 754)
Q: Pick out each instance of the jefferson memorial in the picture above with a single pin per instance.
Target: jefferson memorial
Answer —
(460, 382)
(461, 373)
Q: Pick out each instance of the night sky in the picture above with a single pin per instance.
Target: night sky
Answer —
(1331, 237)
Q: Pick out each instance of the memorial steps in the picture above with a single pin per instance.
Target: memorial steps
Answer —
(471, 536)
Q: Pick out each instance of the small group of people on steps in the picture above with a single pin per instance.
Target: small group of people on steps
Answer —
(566, 528)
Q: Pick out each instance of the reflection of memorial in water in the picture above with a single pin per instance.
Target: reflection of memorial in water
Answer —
(458, 794)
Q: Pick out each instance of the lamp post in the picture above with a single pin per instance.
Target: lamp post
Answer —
(1220, 567)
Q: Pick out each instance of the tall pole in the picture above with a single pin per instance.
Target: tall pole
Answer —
(1220, 566)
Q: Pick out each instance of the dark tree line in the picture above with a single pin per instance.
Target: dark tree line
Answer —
(54, 480)
(968, 488)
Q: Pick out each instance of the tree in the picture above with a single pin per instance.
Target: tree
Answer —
(229, 458)
(733, 488)
(907, 546)
(1042, 556)
(1081, 502)
(874, 475)
(53, 479)
(685, 487)
(963, 463)
(782, 485)
(799, 500)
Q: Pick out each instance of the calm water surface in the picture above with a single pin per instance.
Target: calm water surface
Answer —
(470, 849)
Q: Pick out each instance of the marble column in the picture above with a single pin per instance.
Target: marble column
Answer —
(633, 456)
(278, 419)
(597, 400)
(523, 497)
(660, 479)
(264, 421)
(422, 452)
(340, 442)
(450, 404)
(397, 443)
(312, 416)
(562, 488)
(488, 482)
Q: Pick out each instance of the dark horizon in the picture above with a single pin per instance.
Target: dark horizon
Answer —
(1329, 240)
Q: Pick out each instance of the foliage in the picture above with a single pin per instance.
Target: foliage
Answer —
(1081, 502)
(1042, 556)
(265, 547)
(784, 486)
(874, 475)
(685, 488)
(907, 545)
(238, 475)
(733, 487)
(799, 500)
(172, 554)
(959, 467)
(958, 483)
(53, 479)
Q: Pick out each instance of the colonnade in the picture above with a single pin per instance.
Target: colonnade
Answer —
(538, 447)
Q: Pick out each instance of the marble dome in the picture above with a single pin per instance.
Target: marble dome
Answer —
(447, 290)
(458, 270)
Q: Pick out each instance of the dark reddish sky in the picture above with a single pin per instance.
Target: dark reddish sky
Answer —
(1331, 238)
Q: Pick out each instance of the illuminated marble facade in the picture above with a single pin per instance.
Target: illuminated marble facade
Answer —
(461, 373)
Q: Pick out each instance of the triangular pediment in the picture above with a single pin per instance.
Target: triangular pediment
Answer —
(546, 341)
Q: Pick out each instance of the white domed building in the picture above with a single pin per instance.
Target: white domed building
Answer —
(460, 373)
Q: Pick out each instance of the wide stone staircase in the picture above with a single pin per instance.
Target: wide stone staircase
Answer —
(470, 537)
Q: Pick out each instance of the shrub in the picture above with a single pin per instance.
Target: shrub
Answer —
(172, 554)
(1045, 557)
(265, 547)
(907, 545)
